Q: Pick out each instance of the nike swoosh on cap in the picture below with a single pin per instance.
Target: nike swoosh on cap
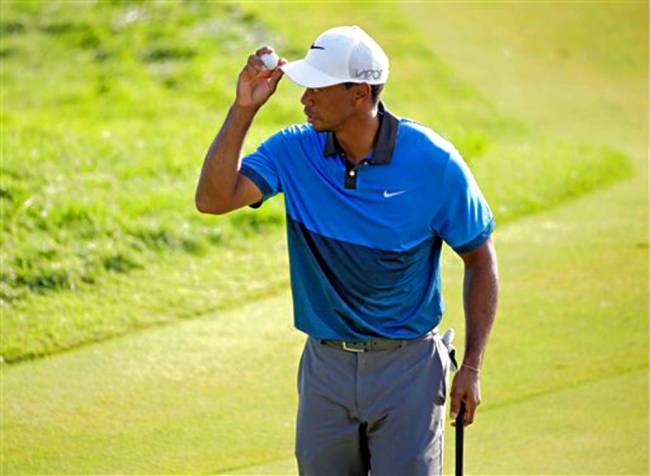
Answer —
(388, 194)
(314, 47)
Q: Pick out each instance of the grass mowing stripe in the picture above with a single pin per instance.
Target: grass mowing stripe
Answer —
(600, 428)
(568, 386)
(169, 291)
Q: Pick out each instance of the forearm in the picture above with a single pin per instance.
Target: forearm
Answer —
(480, 296)
(219, 172)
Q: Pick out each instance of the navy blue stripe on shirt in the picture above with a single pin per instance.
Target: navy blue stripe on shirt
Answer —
(257, 179)
(478, 241)
(347, 291)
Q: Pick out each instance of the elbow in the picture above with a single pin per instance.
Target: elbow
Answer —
(201, 207)
(209, 206)
(211, 209)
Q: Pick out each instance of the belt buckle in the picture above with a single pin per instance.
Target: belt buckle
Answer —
(350, 349)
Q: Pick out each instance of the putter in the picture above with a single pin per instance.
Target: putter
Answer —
(460, 424)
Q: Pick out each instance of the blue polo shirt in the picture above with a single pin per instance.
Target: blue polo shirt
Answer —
(364, 240)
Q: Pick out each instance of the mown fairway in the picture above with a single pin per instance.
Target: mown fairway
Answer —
(547, 101)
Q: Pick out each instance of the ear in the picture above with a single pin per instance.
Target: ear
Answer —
(361, 93)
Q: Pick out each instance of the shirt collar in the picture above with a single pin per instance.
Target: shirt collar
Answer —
(383, 153)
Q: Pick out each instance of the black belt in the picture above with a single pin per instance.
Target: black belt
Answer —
(377, 343)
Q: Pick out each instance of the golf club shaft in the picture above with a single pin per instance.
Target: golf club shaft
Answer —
(460, 427)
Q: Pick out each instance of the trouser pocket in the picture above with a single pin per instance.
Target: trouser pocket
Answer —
(443, 361)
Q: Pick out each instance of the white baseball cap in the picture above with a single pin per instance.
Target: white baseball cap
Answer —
(340, 55)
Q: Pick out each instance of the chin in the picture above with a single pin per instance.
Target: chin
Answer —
(320, 128)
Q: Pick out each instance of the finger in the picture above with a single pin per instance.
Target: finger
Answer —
(263, 50)
(257, 68)
(256, 62)
(276, 76)
(249, 72)
(469, 412)
(471, 406)
(454, 407)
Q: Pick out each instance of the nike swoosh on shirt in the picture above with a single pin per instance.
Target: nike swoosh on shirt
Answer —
(388, 194)
(314, 47)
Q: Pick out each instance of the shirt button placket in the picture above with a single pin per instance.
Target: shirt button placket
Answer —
(350, 181)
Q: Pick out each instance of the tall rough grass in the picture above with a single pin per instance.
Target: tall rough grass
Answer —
(106, 109)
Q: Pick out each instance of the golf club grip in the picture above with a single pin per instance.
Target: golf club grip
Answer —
(460, 428)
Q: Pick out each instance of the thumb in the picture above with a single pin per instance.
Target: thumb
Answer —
(454, 408)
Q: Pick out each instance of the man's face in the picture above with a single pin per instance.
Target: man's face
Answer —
(328, 108)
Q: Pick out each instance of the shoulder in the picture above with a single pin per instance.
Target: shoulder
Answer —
(294, 135)
(296, 141)
(296, 132)
(424, 137)
(424, 144)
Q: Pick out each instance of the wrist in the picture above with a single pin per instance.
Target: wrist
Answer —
(244, 110)
(472, 359)
(474, 369)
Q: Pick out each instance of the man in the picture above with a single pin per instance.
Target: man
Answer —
(369, 199)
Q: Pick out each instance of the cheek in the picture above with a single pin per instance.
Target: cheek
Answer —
(335, 111)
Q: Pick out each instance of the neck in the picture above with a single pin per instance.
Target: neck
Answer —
(358, 135)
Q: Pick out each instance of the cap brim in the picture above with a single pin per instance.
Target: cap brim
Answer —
(305, 75)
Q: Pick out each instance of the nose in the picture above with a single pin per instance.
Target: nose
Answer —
(306, 98)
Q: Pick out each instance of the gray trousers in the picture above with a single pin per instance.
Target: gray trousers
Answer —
(381, 412)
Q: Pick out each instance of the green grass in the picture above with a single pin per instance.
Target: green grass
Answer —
(108, 109)
(586, 441)
(559, 114)
(563, 386)
(101, 149)
(163, 293)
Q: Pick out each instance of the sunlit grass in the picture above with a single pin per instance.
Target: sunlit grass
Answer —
(101, 150)
(108, 109)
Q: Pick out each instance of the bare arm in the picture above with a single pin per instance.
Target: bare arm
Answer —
(480, 296)
(221, 188)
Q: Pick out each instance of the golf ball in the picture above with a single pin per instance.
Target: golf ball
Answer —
(270, 60)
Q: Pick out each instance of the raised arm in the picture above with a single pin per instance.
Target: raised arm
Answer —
(221, 188)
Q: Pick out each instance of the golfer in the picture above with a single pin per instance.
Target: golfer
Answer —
(370, 197)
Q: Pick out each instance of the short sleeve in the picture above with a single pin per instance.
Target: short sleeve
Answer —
(261, 168)
(464, 220)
